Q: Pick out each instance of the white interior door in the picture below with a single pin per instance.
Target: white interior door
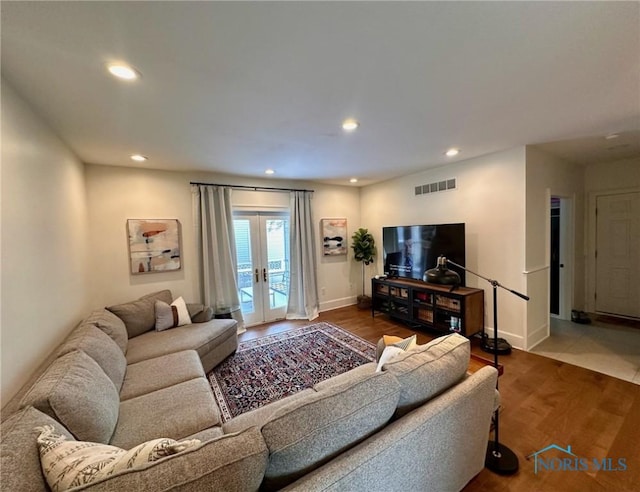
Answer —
(262, 249)
(618, 254)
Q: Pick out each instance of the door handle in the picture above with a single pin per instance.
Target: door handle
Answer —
(561, 265)
(257, 277)
(264, 274)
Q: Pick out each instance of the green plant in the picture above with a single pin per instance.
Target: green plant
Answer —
(364, 249)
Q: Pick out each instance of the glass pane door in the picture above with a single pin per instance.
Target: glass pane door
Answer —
(277, 234)
(262, 255)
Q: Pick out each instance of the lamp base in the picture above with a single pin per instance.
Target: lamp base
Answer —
(502, 347)
(500, 459)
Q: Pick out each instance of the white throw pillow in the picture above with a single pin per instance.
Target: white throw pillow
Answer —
(68, 464)
(387, 354)
(393, 341)
(170, 316)
(183, 312)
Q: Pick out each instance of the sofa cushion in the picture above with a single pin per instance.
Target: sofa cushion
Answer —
(201, 337)
(75, 391)
(234, 462)
(350, 377)
(19, 458)
(100, 347)
(68, 464)
(111, 325)
(140, 316)
(429, 369)
(175, 412)
(261, 415)
(312, 430)
(151, 375)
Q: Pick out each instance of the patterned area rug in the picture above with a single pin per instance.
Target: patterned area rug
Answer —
(267, 369)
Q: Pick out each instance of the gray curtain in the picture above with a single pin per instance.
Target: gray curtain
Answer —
(303, 291)
(217, 249)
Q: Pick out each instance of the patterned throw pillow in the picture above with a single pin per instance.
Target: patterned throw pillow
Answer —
(404, 344)
(68, 464)
(170, 316)
(390, 340)
(390, 346)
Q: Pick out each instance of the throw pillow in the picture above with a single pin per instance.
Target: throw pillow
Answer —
(406, 344)
(170, 316)
(390, 340)
(68, 464)
(166, 316)
(183, 312)
(388, 354)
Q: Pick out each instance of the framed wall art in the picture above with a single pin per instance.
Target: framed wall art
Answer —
(334, 237)
(154, 245)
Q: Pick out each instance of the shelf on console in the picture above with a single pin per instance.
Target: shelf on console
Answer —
(433, 306)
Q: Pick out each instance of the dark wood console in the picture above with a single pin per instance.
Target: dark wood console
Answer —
(432, 306)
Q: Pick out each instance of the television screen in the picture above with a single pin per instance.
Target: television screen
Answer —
(409, 251)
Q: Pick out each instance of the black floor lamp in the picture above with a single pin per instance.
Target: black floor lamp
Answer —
(499, 458)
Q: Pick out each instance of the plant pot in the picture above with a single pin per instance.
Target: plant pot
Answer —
(364, 302)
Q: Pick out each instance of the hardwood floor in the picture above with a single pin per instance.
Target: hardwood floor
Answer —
(544, 402)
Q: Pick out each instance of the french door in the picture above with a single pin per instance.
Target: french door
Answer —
(262, 259)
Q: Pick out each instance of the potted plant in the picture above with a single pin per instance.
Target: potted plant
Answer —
(364, 249)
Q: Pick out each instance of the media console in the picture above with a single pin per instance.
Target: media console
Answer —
(432, 306)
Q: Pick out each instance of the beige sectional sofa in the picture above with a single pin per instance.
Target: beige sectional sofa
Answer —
(420, 424)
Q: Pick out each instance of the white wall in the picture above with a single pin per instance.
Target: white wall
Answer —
(117, 194)
(490, 201)
(549, 176)
(616, 175)
(610, 177)
(44, 241)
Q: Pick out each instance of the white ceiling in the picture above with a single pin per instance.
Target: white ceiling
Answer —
(238, 87)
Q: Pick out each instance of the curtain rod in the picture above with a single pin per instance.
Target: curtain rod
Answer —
(254, 188)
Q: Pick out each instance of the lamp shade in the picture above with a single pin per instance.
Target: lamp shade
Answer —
(441, 274)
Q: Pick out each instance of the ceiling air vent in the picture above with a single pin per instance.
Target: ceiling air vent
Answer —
(444, 185)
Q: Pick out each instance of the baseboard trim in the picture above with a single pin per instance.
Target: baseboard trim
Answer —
(338, 303)
(538, 336)
(516, 341)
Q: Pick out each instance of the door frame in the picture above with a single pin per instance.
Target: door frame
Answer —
(592, 242)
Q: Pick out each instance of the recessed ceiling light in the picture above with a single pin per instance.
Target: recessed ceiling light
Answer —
(350, 124)
(123, 71)
(138, 157)
(611, 136)
(269, 171)
(353, 180)
(452, 152)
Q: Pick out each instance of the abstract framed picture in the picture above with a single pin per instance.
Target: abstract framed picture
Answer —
(154, 245)
(334, 237)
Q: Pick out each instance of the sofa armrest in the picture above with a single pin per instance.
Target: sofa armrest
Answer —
(199, 313)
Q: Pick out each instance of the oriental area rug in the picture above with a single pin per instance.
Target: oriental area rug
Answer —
(269, 368)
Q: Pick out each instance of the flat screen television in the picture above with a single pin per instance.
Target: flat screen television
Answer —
(408, 251)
